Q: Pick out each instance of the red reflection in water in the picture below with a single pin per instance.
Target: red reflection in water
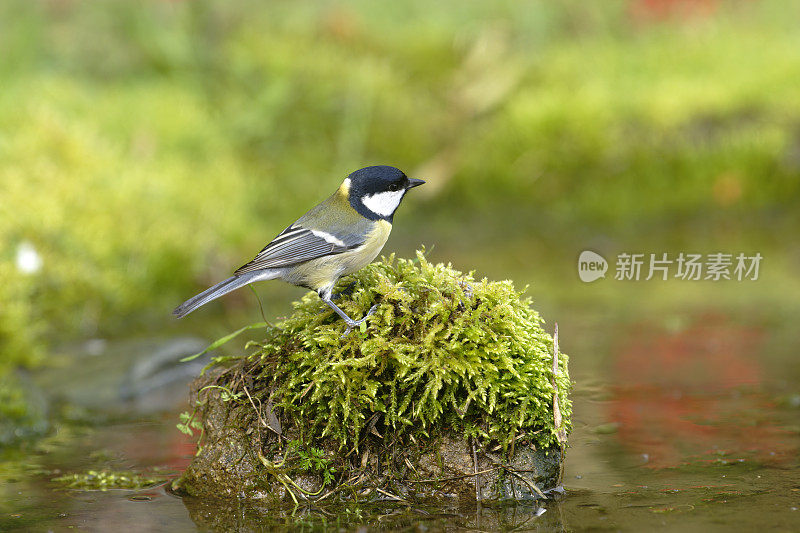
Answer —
(694, 391)
(182, 449)
(156, 444)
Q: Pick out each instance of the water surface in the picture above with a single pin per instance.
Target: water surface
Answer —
(682, 421)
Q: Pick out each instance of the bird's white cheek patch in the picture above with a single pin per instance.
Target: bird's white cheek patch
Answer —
(383, 203)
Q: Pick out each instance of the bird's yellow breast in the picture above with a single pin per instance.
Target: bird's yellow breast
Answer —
(324, 272)
(364, 254)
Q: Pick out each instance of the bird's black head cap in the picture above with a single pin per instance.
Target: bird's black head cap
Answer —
(375, 192)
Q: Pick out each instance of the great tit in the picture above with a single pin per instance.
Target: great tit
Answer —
(336, 237)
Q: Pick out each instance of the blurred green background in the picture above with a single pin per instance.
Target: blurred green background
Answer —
(149, 148)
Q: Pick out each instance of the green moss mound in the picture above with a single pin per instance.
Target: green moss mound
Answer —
(442, 350)
(447, 389)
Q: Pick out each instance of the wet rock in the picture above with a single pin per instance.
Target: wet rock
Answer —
(228, 466)
(527, 474)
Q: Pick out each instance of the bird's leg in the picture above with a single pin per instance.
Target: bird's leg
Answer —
(349, 321)
(347, 291)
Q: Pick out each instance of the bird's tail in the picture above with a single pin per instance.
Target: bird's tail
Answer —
(221, 288)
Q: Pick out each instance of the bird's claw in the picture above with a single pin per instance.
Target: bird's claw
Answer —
(355, 323)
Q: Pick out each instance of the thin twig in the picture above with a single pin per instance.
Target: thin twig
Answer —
(261, 307)
(351, 483)
(389, 495)
(257, 410)
(475, 471)
(454, 478)
(515, 473)
(561, 433)
(530, 485)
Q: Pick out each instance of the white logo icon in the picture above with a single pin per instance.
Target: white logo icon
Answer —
(591, 266)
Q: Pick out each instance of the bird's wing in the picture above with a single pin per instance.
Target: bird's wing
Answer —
(297, 244)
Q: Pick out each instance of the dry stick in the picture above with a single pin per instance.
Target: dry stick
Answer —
(454, 478)
(349, 484)
(257, 410)
(531, 486)
(514, 472)
(475, 471)
(561, 433)
(409, 465)
(390, 495)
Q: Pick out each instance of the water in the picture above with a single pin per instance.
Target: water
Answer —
(687, 423)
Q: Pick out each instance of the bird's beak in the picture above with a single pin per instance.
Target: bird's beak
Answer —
(414, 182)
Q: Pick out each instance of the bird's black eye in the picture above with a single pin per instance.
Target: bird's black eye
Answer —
(394, 187)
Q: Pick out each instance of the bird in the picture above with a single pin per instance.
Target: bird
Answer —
(337, 237)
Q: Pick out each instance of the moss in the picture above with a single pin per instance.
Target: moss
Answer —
(445, 360)
(106, 480)
(441, 350)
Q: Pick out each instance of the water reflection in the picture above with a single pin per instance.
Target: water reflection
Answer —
(696, 394)
(238, 516)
